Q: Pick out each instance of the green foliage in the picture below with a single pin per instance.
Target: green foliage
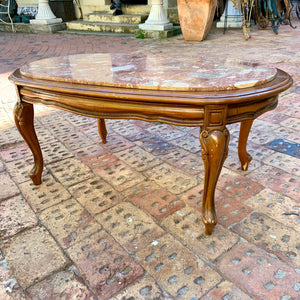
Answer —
(139, 34)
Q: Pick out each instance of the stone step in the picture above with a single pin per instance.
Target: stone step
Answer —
(126, 9)
(102, 26)
(109, 18)
(136, 9)
(85, 32)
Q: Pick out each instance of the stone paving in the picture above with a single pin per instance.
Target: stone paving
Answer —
(122, 220)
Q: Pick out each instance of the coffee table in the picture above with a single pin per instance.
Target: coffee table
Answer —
(185, 90)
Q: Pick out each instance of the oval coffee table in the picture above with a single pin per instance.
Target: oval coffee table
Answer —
(180, 90)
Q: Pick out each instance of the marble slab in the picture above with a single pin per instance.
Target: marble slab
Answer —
(156, 72)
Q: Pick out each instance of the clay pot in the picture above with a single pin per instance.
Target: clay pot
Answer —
(196, 18)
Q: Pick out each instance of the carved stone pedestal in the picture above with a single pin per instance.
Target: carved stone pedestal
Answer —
(230, 17)
(157, 21)
(45, 20)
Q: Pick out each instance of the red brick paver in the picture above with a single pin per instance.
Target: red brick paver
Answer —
(259, 274)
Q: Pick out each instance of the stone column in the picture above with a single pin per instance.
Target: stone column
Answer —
(157, 20)
(230, 17)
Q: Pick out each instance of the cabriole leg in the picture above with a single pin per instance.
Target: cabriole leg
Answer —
(214, 150)
(244, 156)
(214, 139)
(102, 130)
(23, 114)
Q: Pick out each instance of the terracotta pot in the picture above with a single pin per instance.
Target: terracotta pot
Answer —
(196, 17)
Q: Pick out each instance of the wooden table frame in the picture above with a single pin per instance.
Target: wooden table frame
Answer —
(210, 110)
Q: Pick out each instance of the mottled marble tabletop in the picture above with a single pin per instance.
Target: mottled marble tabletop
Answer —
(157, 72)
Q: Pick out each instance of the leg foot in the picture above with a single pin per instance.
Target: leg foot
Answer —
(102, 130)
(214, 151)
(244, 156)
(23, 114)
(209, 228)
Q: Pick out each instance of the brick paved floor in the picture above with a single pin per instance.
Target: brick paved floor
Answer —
(122, 220)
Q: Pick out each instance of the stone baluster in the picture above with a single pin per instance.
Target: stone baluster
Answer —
(231, 17)
(157, 20)
(45, 15)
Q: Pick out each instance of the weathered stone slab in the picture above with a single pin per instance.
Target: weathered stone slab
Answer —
(177, 270)
(277, 206)
(171, 178)
(143, 289)
(105, 265)
(7, 187)
(69, 222)
(186, 224)
(15, 216)
(33, 255)
(62, 285)
(130, 226)
(42, 196)
(70, 171)
(259, 274)
(153, 199)
(138, 158)
(95, 195)
(227, 290)
(120, 175)
(272, 236)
